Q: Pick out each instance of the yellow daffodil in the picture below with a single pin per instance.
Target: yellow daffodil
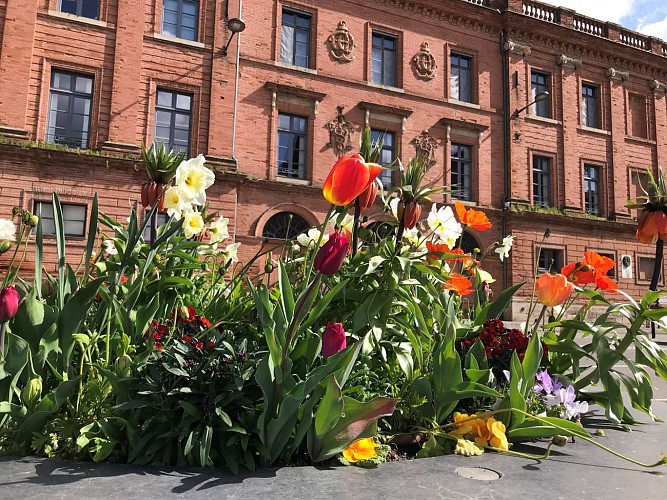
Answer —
(193, 224)
(193, 179)
(219, 230)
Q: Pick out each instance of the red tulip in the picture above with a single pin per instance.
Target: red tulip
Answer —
(553, 289)
(348, 178)
(333, 339)
(9, 303)
(330, 257)
(367, 198)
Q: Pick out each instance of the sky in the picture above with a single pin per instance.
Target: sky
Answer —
(646, 16)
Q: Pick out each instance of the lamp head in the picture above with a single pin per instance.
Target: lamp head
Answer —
(236, 25)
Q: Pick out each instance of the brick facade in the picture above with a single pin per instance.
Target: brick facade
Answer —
(129, 58)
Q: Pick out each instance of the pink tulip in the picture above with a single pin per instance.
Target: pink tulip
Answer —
(9, 303)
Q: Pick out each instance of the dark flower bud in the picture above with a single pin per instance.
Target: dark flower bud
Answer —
(367, 198)
(330, 257)
(9, 303)
(333, 339)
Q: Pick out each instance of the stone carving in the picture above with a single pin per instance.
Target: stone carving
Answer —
(340, 133)
(618, 75)
(570, 62)
(341, 43)
(425, 146)
(658, 86)
(517, 48)
(424, 63)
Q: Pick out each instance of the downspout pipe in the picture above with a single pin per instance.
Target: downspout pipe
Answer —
(236, 88)
(506, 148)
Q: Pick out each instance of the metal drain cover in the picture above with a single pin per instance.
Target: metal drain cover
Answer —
(478, 473)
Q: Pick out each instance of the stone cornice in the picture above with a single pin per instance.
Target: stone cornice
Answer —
(617, 75)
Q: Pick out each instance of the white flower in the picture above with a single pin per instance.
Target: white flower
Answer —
(231, 252)
(7, 230)
(219, 230)
(109, 247)
(193, 179)
(412, 236)
(503, 249)
(193, 224)
(443, 223)
(393, 204)
(485, 276)
(348, 223)
(174, 203)
(310, 238)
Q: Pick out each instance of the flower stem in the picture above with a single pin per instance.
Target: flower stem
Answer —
(355, 228)
(319, 242)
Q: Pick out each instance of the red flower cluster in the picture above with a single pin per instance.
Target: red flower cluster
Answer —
(157, 330)
(499, 344)
(198, 343)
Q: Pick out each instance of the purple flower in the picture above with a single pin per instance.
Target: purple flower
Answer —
(546, 383)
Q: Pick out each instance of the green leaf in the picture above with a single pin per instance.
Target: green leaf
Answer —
(191, 410)
(531, 428)
(330, 408)
(92, 238)
(447, 375)
(205, 446)
(496, 308)
(531, 362)
(517, 385)
(322, 304)
(286, 296)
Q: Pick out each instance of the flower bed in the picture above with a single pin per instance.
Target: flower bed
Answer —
(170, 352)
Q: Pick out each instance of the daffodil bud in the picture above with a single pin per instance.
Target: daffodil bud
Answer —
(123, 366)
(5, 245)
(32, 392)
(34, 220)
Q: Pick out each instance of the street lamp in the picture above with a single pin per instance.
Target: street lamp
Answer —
(539, 97)
(235, 25)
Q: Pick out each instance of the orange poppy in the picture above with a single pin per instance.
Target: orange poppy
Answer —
(592, 269)
(459, 284)
(475, 219)
(553, 289)
(435, 250)
(348, 178)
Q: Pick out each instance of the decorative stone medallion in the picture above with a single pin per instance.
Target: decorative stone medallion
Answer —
(340, 133)
(425, 146)
(341, 43)
(424, 63)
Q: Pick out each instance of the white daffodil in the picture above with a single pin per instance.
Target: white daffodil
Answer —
(219, 230)
(412, 236)
(109, 247)
(309, 239)
(193, 224)
(503, 249)
(444, 225)
(7, 230)
(193, 179)
(485, 276)
(231, 252)
(348, 223)
(393, 204)
(174, 203)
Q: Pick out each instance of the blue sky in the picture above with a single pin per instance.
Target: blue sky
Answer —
(646, 16)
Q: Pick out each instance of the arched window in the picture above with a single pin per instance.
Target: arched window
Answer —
(469, 243)
(284, 225)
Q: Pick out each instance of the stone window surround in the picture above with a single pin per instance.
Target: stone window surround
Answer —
(156, 22)
(474, 71)
(53, 9)
(368, 53)
(306, 9)
(602, 183)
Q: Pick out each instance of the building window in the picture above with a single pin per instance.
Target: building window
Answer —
(83, 8)
(645, 269)
(592, 189)
(387, 154)
(461, 172)
(173, 112)
(295, 38)
(179, 18)
(637, 116)
(74, 218)
(589, 106)
(285, 226)
(549, 261)
(539, 82)
(162, 219)
(541, 181)
(383, 59)
(292, 150)
(460, 79)
(70, 103)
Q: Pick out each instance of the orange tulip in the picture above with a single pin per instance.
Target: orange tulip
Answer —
(367, 198)
(459, 284)
(553, 289)
(472, 218)
(348, 178)
(651, 226)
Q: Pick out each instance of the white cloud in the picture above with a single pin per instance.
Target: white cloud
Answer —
(605, 10)
(658, 28)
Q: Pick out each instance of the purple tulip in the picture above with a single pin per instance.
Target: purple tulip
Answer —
(9, 303)
(330, 257)
(333, 339)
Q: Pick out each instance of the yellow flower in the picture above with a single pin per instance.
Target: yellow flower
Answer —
(363, 449)
(193, 179)
(486, 431)
(193, 224)
(219, 230)
(498, 438)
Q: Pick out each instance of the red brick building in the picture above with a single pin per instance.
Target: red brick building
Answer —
(295, 89)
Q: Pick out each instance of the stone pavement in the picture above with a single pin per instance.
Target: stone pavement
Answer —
(577, 471)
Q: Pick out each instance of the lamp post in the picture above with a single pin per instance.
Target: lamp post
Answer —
(235, 25)
(539, 97)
